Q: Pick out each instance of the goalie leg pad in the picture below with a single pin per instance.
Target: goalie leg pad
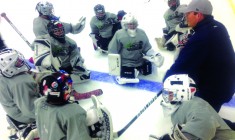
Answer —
(114, 61)
(101, 125)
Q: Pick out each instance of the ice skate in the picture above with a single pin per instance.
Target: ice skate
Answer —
(81, 77)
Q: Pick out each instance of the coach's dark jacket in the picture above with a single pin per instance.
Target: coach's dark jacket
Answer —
(208, 57)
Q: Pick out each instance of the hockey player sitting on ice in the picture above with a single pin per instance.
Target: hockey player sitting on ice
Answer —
(131, 47)
(103, 27)
(60, 118)
(18, 91)
(55, 51)
(46, 14)
(193, 118)
(173, 29)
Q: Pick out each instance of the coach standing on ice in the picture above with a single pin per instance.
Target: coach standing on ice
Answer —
(208, 55)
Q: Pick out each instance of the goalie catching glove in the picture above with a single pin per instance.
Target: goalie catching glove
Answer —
(99, 121)
(154, 57)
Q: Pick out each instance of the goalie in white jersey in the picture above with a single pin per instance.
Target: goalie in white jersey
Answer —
(59, 117)
(193, 118)
(132, 44)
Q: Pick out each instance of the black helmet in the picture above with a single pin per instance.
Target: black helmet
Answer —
(56, 29)
(99, 11)
(56, 87)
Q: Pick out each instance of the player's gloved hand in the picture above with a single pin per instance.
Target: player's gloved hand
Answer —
(157, 59)
(77, 28)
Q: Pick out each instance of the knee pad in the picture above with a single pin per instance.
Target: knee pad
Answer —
(146, 68)
(128, 72)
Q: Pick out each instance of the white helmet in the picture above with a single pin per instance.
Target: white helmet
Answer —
(12, 62)
(178, 88)
(45, 8)
(130, 23)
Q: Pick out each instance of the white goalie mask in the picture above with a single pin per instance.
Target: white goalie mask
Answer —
(130, 23)
(177, 89)
(45, 8)
(12, 62)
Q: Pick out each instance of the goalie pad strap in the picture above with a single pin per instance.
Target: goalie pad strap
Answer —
(177, 133)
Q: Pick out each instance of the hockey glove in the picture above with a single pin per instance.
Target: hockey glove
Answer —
(77, 28)
(157, 59)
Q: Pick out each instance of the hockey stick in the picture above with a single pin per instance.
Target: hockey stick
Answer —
(120, 132)
(7, 19)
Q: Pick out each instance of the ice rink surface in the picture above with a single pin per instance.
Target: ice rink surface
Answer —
(123, 101)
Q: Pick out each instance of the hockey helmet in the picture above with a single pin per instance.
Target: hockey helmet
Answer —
(12, 63)
(45, 8)
(173, 4)
(130, 23)
(120, 15)
(100, 11)
(56, 29)
(57, 87)
(178, 88)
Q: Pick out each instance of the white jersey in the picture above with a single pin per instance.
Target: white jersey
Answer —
(65, 122)
(40, 26)
(131, 49)
(201, 120)
(17, 96)
(103, 27)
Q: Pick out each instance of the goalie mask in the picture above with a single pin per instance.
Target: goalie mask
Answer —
(45, 8)
(12, 63)
(173, 4)
(130, 23)
(100, 12)
(177, 89)
(56, 30)
(57, 87)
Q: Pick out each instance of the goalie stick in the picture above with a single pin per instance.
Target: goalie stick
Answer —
(120, 132)
(86, 95)
(8, 20)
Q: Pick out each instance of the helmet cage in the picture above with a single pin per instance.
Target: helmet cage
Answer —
(56, 30)
(178, 88)
(100, 11)
(173, 4)
(45, 8)
(12, 62)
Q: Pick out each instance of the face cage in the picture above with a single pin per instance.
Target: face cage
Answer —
(59, 32)
(19, 62)
(131, 26)
(170, 96)
(172, 3)
(46, 9)
(100, 15)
